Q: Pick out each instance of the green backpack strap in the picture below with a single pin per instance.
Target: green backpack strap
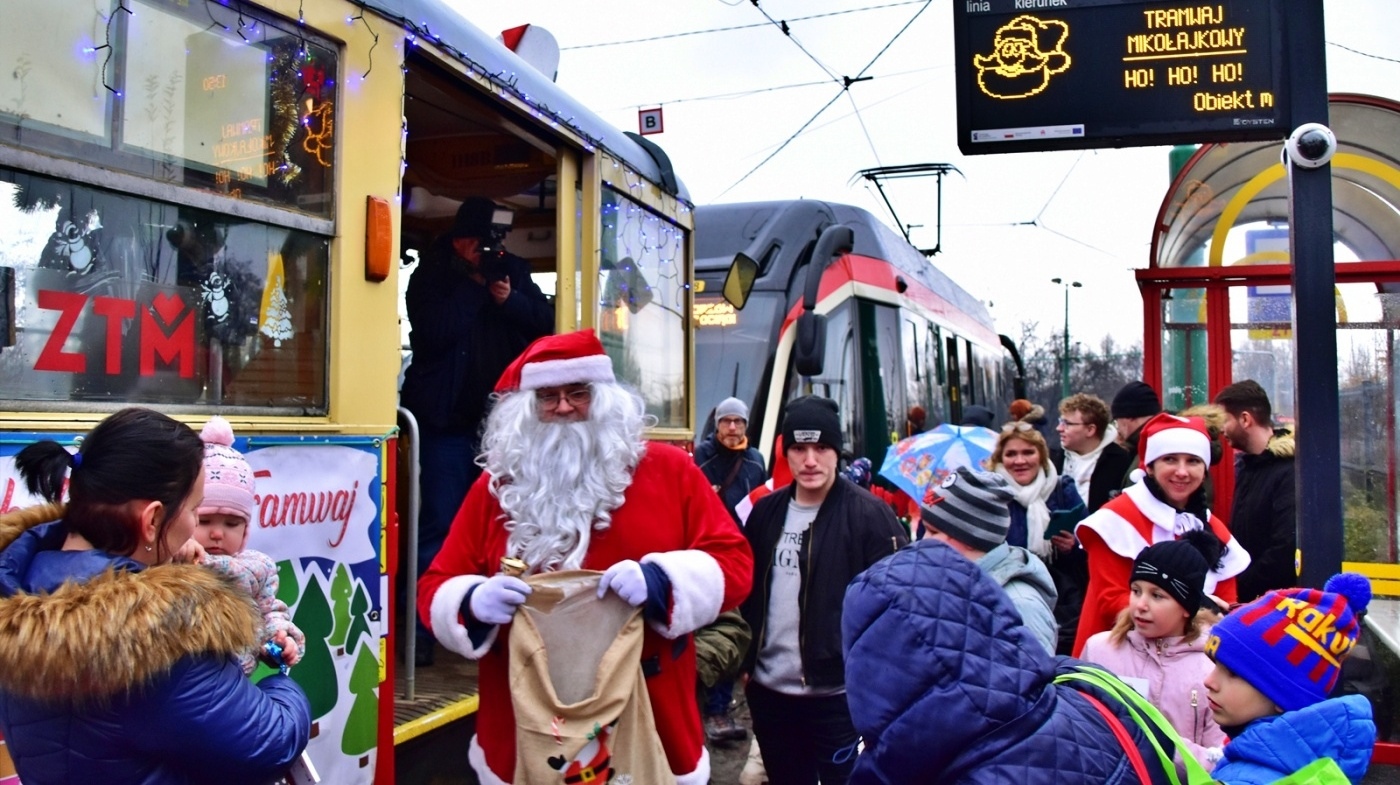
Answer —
(1323, 771)
(1147, 717)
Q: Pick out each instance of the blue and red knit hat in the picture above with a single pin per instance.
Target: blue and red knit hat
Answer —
(1290, 644)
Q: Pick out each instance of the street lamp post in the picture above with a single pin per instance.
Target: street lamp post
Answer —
(1064, 367)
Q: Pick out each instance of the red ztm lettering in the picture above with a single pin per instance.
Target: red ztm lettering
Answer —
(52, 357)
(178, 345)
(115, 311)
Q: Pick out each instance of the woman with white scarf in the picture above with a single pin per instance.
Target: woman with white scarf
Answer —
(1023, 458)
(1042, 495)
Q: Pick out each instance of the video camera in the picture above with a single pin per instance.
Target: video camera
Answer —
(493, 251)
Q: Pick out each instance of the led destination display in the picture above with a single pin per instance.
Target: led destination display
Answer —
(1063, 74)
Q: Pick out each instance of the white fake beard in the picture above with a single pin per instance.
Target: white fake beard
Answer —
(558, 482)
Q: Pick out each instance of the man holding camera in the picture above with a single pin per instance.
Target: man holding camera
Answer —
(473, 309)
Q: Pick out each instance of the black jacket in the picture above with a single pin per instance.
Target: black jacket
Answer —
(1262, 517)
(852, 531)
(1113, 465)
(462, 340)
(733, 473)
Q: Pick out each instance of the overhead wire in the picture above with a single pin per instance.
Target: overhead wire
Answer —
(1363, 54)
(758, 90)
(787, 32)
(844, 87)
(865, 130)
(735, 27)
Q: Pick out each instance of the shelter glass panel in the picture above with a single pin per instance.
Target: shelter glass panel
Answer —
(124, 300)
(1184, 352)
(642, 317)
(1367, 323)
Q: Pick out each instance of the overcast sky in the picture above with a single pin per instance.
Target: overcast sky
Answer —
(1093, 210)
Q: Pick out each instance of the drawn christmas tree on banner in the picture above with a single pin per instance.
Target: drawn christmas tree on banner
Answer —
(276, 318)
(360, 729)
(341, 589)
(316, 671)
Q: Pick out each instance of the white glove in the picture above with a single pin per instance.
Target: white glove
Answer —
(627, 580)
(495, 601)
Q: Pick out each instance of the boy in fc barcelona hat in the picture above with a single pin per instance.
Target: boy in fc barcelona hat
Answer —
(1276, 660)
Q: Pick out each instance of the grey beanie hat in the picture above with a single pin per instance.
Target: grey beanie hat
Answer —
(732, 407)
(971, 507)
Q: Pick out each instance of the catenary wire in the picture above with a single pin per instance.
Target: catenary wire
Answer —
(735, 27)
(828, 104)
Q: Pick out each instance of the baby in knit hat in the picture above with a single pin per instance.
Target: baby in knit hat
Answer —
(1276, 661)
(224, 518)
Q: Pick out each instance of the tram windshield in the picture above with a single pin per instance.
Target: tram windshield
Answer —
(732, 348)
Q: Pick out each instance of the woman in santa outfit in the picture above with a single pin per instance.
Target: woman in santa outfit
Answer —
(1165, 503)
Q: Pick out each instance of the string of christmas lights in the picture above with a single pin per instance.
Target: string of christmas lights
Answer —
(121, 6)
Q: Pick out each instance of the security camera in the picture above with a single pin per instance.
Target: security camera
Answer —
(1311, 145)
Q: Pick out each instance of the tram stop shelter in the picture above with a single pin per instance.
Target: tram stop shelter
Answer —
(1217, 309)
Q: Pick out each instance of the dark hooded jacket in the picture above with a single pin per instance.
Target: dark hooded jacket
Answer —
(734, 474)
(1262, 517)
(463, 340)
(119, 674)
(946, 685)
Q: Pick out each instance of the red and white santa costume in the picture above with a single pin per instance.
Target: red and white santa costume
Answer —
(670, 517)
(1116, 533)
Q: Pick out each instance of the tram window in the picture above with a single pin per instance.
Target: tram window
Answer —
(230, 101)
(125, 299)
(642, 304)
(937, 337)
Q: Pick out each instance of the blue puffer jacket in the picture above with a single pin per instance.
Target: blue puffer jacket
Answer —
(946, 685)
(123, 675)
(1274, 747)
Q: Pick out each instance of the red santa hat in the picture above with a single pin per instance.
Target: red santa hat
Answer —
(1165, 434)
(557, 360)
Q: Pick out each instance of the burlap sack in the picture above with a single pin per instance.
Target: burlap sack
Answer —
(581, 705)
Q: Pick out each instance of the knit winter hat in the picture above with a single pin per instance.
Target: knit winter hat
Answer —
(1290, 644)
(1136, 399)
(1177, 567)
(732, 407)
(474, 218)
(556, 360)
(228, 479)
(812, 420)
(1165, 434)
(972, 507)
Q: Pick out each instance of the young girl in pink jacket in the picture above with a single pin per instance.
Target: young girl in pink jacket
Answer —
(1158, 643)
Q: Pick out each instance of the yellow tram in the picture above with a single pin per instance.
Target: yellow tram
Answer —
(210, 206)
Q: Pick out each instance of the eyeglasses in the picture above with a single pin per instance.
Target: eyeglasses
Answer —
(576, 398)
(1068, 423)
(1017, 426)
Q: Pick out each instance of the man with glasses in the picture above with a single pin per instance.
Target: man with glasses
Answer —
(734, 469)
(571, 483)
(1089, 451)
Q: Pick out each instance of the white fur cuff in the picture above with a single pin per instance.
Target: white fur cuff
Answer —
(697, 590)
(701, 775)
(446, 613)
(477, 757)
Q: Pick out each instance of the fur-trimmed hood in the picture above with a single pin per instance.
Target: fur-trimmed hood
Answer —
(1282, 443)
(109, 627)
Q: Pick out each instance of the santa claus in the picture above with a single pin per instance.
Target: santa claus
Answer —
(570, 483)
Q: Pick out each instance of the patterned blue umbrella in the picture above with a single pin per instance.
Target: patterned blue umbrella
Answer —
(924, 459)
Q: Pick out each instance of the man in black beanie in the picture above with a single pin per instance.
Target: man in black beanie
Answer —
(809, 540)
(1132, 406)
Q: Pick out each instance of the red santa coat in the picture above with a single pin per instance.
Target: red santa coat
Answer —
(670, 516)
(1113, 537)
